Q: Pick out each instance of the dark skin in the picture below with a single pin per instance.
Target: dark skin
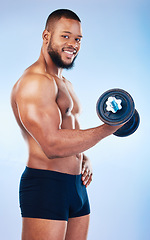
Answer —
(47, 110)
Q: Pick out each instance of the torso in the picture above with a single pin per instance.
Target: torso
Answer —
(69, 107)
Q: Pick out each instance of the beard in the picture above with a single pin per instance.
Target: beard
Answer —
(56, 58)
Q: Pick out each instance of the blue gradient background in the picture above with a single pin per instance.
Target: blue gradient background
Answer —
(115, 53)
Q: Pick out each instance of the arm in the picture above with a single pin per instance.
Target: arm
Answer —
(41, 117)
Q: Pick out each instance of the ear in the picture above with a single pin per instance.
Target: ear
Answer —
(46, 36)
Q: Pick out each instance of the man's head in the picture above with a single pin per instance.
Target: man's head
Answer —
(57, 15)
(63, 34)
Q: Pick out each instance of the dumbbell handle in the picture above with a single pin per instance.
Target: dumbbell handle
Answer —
(113, 104)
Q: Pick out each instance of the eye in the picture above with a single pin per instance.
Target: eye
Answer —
(65, 36)
(78, 40)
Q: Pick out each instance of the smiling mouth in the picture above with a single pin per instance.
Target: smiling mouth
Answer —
(70, 51)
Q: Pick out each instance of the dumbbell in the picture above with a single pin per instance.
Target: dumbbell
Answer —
(116, 107)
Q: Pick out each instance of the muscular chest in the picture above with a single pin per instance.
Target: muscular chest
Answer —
(66, 99)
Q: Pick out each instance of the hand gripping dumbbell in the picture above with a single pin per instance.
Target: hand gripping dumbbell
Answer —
(116, 107)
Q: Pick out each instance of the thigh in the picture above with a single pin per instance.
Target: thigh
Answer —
(77, 228)
(43, 195)
(43, 229)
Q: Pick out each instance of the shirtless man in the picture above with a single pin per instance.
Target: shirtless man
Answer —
(53, 198)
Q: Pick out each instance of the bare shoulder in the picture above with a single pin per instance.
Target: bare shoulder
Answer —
(34, 85)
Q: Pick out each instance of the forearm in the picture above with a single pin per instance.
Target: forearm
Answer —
(68, 142)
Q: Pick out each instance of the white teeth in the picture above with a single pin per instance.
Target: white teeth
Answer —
(69, 52)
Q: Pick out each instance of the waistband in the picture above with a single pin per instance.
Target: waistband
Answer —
(41, 173)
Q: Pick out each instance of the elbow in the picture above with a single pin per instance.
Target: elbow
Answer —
(54, 153)
(54, 150)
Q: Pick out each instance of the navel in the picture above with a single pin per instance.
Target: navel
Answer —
(67, 110)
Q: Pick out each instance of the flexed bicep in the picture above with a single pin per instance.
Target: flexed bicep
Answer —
(38, 110)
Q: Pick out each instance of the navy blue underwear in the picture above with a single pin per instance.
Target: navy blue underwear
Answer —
(52, 195)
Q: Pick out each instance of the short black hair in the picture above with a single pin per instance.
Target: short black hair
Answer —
(57, 14)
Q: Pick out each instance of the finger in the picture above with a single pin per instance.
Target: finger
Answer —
(86, 178)
(85, 172)
(83, 169)
(89, 181)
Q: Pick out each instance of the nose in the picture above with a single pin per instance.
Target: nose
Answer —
(72, 43)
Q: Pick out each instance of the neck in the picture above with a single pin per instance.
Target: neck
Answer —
(50, 67)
